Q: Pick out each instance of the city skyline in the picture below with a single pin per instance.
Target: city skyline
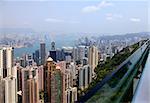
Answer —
(74, 51)
(72, 74)
(64, 17)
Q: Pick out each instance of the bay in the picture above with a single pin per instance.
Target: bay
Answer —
(59, 42)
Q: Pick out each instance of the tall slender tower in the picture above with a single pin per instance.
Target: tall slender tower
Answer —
(93, 57)
(36, 56)
(42, 52)
(6, 61)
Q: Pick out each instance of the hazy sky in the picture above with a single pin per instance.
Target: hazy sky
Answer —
(76, 16)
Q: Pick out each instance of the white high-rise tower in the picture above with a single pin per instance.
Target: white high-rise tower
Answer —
(93, 57)
(6, 61)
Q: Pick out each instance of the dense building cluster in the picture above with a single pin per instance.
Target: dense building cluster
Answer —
(58, 75)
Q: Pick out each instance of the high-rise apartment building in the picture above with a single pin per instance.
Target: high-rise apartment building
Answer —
(85, 76)
(53, 84)
(65, 78)
(16, 72)
(75, 53)
(41, 78)
(8, 90)
(71, 95)
(68, 73)
(30, 91)
(2, 90)
(6, 61)
(93, 57)
(72, 67)
(23, 61)
(81, 52)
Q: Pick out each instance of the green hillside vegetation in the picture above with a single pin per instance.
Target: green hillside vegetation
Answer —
(110, 65)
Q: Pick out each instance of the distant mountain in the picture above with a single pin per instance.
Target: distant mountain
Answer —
(128, 35)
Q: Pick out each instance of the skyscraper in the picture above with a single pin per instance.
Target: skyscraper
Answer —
(72, 67)
(59, 55)
(81, 52)
(6, 61)
(42, 53)
(29, 60)
(93, 57)
(16, 72)
(2, 90)
(71, 95)
(36, 57)
(53, 46)
(30, 92)
(75, 53)
(23, 61)
(56, 55)
(53, 84)
(53, 55)
(8, 90)
(41, 78)
(85, 76)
